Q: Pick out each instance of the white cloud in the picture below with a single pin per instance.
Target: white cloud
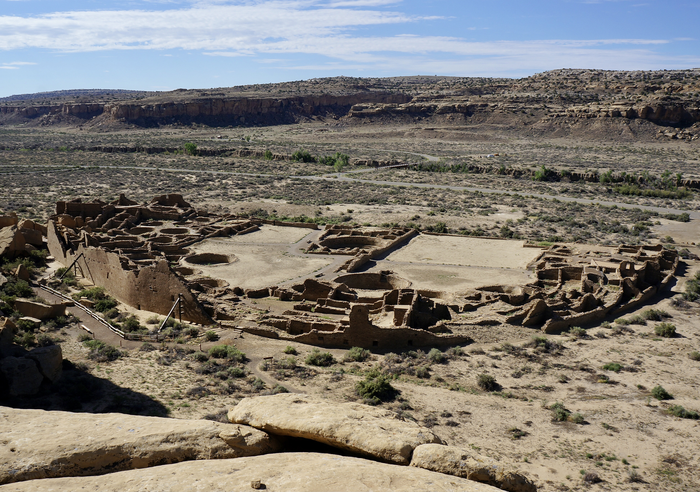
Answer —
(329, 28)
(14, 65)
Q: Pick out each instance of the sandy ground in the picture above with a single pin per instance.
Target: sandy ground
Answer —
(454, 278)
(458, 264)
(466, 251)
(262, 259)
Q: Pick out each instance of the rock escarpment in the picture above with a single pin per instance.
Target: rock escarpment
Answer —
(23, 372)
(288, 472)
(39, 444)
(350, 426)
(47, 450)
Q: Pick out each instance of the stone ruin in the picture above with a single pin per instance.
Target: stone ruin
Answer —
(134, 252)
(363, 246)
(131, 249)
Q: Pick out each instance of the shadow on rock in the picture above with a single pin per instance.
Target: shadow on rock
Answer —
(80, 391)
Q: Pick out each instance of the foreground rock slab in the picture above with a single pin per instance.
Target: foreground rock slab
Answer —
(42, 444)
(460, 463)
(353, 427)
(281, 472)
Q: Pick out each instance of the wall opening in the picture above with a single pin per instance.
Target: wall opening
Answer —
(375, 343)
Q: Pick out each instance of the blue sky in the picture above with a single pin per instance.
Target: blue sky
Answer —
(168, 44)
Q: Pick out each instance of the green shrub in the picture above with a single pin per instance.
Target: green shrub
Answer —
(660, 393)
(303, 156)
(612, 366)
(318, 358)
(544, 344)
(191, 332)
(454, 352)
(542, 174)
(15, 288)
(103, 302)
(692, 288)
(25, 325)
(375, 388)
(190, 148)
(200, 357)
(654, 314)
(559, 412)
(279, 389)
(666, 330)
(227, 352)
(423, 372)
(258, 384)
(25, 339)
(112, 313)
(487, 382)
(131, 325)
(237, 372)
(290, 350)
(153, 320)
(681, 412)
(102, 352)
(104, 305)
(268, 155)
(436, 356)
(694, 356)
(358, 354)
(577, 332)
(211, 336)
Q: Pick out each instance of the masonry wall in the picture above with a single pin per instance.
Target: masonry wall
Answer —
(152, 288)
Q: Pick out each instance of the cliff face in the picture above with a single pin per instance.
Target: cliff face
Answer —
(664, 98)
(212, 111)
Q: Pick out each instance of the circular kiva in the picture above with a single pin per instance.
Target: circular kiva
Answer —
(175, 230)
(210, 259)
(373, 281)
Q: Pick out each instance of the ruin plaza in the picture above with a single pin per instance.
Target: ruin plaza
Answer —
(344, 286)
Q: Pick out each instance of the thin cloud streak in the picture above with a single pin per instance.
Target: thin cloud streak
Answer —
(257, 28)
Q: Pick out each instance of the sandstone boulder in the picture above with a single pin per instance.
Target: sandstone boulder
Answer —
(67, 220)
(3, 280)
(32, 236)
(314, 290)
(11, 242)
(38, 310)
(257, 293)
(460, 463)
(353, 427)
(8, 220)
(49, 361)
(535, 312)
(41, 444)
(21, 376)
(22, 273)
(288, 472)
(30, 224)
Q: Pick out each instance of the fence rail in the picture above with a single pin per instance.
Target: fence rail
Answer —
(88, 311)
